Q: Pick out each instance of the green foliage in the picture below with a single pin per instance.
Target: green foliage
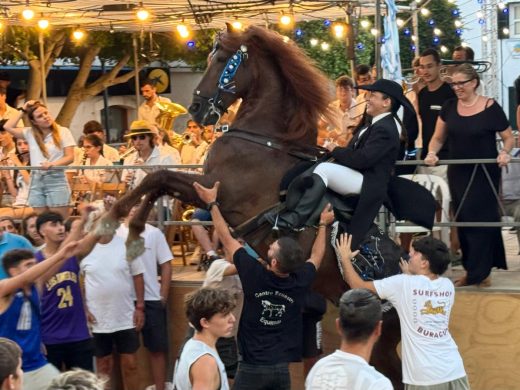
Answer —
(441, 13)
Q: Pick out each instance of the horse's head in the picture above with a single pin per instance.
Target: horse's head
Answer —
(223, 81)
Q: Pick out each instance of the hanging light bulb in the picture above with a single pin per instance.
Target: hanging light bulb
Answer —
(313, 41)
(437, 31)
(286, 20)
(325, 46)
(399, 22)
(414, 38)
(78, 34)
(339, 30)
(142, 13)
(425, 12)
(237, 24)
(444, 49)
(183, 30)
(43, 24)
(374, 32)
(27, 13)
(458, 23)
(365, 23)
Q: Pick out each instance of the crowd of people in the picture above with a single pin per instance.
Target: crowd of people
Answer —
(76, 294)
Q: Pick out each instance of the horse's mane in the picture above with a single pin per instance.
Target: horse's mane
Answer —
(306, 89)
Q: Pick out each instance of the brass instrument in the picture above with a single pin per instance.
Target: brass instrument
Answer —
(179, 140)
(188, 214)
(168, 113)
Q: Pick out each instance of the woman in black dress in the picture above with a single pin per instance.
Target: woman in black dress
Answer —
(469, 124)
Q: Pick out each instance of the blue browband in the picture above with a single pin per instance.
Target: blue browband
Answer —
(225, 81)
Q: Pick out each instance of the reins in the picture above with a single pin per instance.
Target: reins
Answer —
(302, 152)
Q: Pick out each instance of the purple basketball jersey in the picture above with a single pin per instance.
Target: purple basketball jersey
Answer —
(63, 317)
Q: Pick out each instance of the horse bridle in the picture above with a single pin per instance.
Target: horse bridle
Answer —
(226, 84)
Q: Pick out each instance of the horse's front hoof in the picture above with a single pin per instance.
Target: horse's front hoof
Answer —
(106, 226)
(134, 248)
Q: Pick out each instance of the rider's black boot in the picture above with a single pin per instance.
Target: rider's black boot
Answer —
(296, 215)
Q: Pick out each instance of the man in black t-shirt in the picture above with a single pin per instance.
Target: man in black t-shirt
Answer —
(269, 334)
(431, 98)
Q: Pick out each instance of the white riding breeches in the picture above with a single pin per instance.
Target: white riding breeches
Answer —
(340, 179)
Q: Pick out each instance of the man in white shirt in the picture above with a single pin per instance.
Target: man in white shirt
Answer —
(146, 153)
(111, 284)
(155, 331)
(148, 111)
(359, 325)
(423, 299)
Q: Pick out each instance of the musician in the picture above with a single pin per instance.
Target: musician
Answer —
(93, 155)
(342, 108)
(142, 137)
(148, 111)
(194, 152)
(94, 127)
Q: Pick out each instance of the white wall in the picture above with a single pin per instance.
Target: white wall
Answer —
(183, 82)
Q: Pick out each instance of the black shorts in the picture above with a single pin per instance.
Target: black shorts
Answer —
(155, 330)
(125, 341)
(312, 336)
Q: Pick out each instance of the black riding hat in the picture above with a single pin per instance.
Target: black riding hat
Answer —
(390, 88)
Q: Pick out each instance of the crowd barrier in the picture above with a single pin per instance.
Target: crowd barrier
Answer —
(184, 167)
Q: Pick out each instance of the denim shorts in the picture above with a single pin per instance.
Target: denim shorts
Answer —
(49, 189)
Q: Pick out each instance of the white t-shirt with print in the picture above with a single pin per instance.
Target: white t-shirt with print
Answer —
(430, 355)
(157, 252)
(109, 286)
(345, 371)
(55, 153)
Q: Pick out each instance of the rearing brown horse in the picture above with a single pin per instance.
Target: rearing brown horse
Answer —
(283, 96)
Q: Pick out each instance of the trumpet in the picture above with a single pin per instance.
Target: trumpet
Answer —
(179, 140)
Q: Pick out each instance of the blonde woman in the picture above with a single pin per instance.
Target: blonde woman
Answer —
(50, 145)
(469, 124)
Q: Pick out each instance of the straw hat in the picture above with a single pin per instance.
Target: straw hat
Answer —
(140, 127)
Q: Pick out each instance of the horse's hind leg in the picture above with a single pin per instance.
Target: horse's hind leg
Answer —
(134, 242)
(384, 356)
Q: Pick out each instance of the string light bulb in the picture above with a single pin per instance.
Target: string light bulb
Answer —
(43, 24)
(365, 23)
(325, 46)
(286, 20)
(142, 13)
(399, 22)
(425, 12)
(27, 13)
(237, 24)
(437, 31)
(313, 41)
(444, 49)
(339, 30)
(374, 32)
(458, 23)
(183, 31)
(78, 34)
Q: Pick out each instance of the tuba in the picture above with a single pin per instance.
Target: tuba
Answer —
(168, 113)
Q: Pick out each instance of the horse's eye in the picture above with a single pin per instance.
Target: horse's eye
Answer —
(220, 58)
